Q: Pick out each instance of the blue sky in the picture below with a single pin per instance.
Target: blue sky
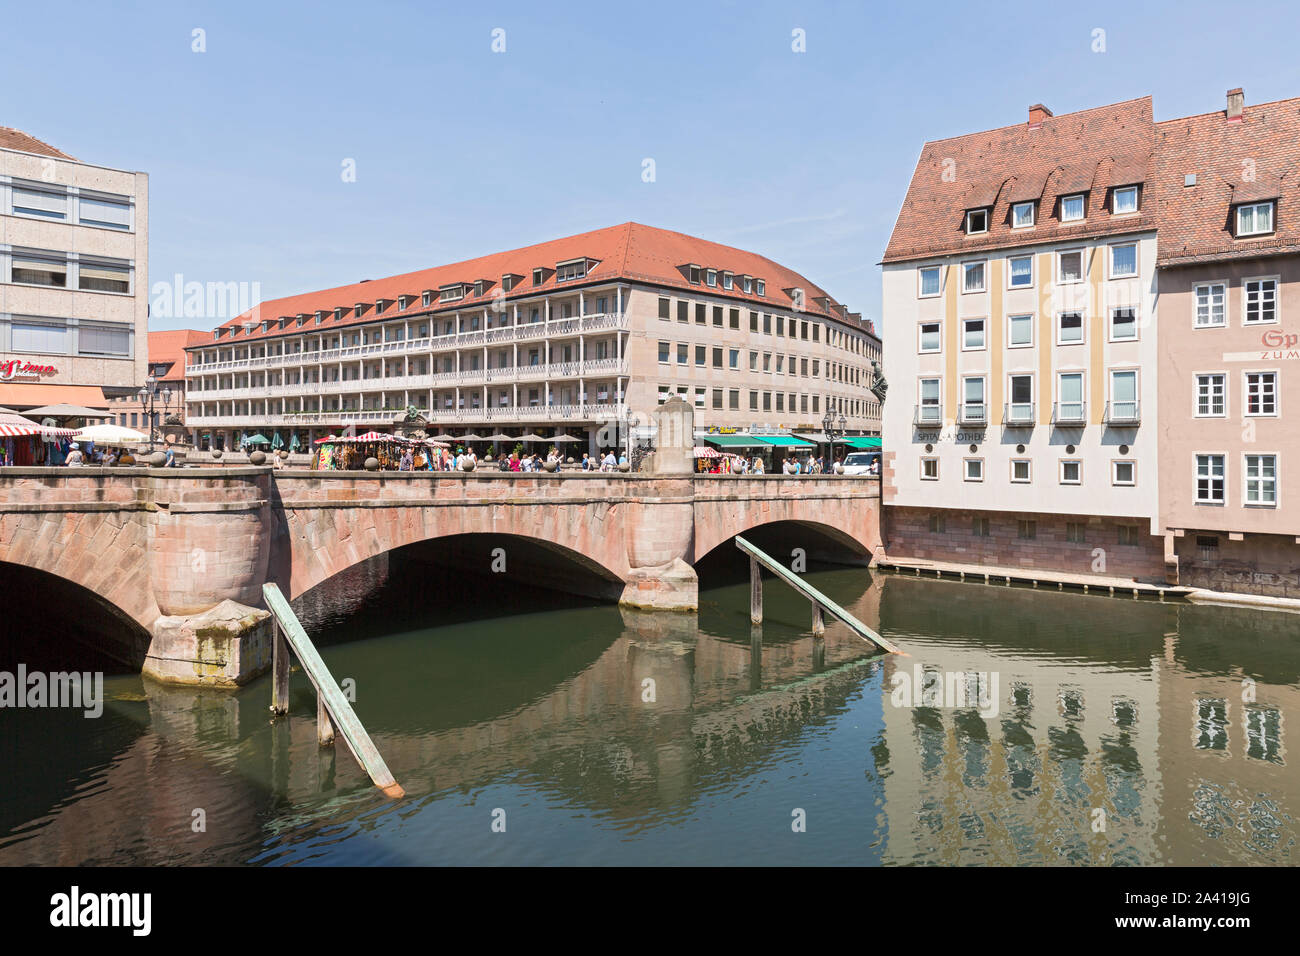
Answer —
(460, 151)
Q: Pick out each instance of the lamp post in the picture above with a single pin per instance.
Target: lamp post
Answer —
(829, 424)
(149, 395)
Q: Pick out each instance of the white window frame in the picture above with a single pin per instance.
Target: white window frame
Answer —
(1269, 204)
(1245, 300)
(1083, 386)
(1137, 324)
(1114, 201)
(1060, 472)
(1196, 477)
(1114, 472)
(985, 338)
(1083, 207)
(1196, 304)
(1032, 271)
(1033, 390)
(984, 275)
(1083, 327)
(1245, 393)
(1136, 372)
(935, 460)
(1029, 471)
(966, 469)
(1110, 261)
(1083, 266)
(1196, 395)
(1015, 209)
(1032, 323)
(920, 396)
(985, 212)
(920, 349)
(920, 282)
(1246, 479)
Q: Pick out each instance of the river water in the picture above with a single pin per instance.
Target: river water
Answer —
(531, 728)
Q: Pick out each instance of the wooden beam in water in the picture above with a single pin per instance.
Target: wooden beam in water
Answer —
(755, 591)
(819, 600)
(330, 699)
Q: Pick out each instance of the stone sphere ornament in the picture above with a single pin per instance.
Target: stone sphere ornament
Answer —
(550, 466)
(624, 467)
(467, 464)
(157, 459)
(216, 454)
(372, 463)
(257, 458)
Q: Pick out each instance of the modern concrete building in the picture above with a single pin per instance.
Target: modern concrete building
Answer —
(575, 335)
(1229, 277)
(1018, 295)
(74, 310)
(166, 381)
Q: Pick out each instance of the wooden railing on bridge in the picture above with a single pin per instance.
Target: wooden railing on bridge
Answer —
(821, 604)
(332, 707)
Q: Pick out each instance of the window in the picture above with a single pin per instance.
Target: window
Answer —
(701, 356)
(1069, 328)
(103, 340)
(972, 276)
(748, 285)
(1123, 473)
(1209, 479)
(1020, 410)
(717, 398)
(1210, 307)
(753, 361)
(929, 469)
(50, 338)
(1020, 331)
(1124, 200)
(567, 271)
(1123, 396)
(733, 358)
(717, 358)
(664, 348)
(1261, 393)
(733, 318)
(1022, 215)
(973, 409)
(1027, 529)
(665, 309)
(699, 398)
(1123, 325)
(1020, 470)
(105, 212)
(1261, 301)
(1021, 272)
(1071, 471)
(733, 399)
(727, 281)
(537, 277)
(1069, 266)
(1211, 395)
(1261, 479)
(39, 270)
(760, 287)
(45, 204)
(701, 315)
(1127, 535)
(972, 334)
(980, 526)
(929, 410)
(1072, 208)
(103, 277)
(710, 276)
(929, 278)
(929, 337)
(1254, 219)
(1075, 532)
(977, 221)
(717, 316)
(683, 312)
(683, 354)
(974, 470)
(753, 322)
(1124, 260)
(1070, 405)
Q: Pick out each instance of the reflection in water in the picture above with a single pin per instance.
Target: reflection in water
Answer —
(1062, 728)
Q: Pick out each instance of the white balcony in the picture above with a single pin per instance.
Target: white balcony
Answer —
(594, 413)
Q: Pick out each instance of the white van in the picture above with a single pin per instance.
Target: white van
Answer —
(859, 462)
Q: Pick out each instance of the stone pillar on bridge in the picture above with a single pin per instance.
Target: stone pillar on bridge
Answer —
(661, 524)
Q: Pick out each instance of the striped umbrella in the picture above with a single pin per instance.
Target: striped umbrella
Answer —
(15, 426)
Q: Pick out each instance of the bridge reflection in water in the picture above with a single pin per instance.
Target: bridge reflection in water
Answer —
(1133, 708)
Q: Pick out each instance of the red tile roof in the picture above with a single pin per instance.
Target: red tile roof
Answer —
(630, 251)
(1091, 150)
(1249, 160)
(11, 138)
(169, 347)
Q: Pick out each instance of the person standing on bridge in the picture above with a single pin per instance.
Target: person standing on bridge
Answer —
(75, 458)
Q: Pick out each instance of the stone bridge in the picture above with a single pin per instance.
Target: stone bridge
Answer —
(182, 554)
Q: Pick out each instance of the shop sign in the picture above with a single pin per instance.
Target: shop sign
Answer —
(16, 370)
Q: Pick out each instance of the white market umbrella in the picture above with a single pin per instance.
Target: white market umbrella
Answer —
(107, 434)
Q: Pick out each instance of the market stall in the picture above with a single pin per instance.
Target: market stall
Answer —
(24, 442)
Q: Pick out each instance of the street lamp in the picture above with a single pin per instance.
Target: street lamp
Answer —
(829, 424)
(149, 395)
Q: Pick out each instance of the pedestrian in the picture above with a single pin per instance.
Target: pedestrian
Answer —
(609, 462)
(75, 459)
(586, 461)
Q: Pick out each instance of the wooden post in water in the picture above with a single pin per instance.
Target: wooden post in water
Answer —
(755, 591)
(818, 621)
(280, 673)
(324, 729)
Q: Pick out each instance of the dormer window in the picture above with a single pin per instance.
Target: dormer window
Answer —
(509, 281)
(747, 283)
(760, 287)
(728, 281)
(711, 277)
(977, 221)
(479, 286)
(379, 306)
(1254, 219)
(401, 303)
(338, 314)
(426, 298)
(695, 274)
(1124, 200)
(537, 277)
(796, 299)
(359, 309)
(1022, 215)
(1072, 208)
(266, 325)
(216, 333)
(450, 293)
(568, 271)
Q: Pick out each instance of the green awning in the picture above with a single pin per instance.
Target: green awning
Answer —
(734, 441)
(785, 441)
(861, 441)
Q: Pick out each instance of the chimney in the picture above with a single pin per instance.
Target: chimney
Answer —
(1236, 101)
(1037, 113)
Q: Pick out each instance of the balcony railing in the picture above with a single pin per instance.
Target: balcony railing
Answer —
(1069, 413)
(1122, 413)
(1018, 414)
(928, 415)
(589, 412)
(973, 413)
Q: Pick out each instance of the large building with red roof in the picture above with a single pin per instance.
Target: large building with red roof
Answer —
(572, 335)
(74, 249)
(1086, 323)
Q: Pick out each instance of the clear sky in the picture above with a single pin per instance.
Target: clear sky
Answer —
(460, 151)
